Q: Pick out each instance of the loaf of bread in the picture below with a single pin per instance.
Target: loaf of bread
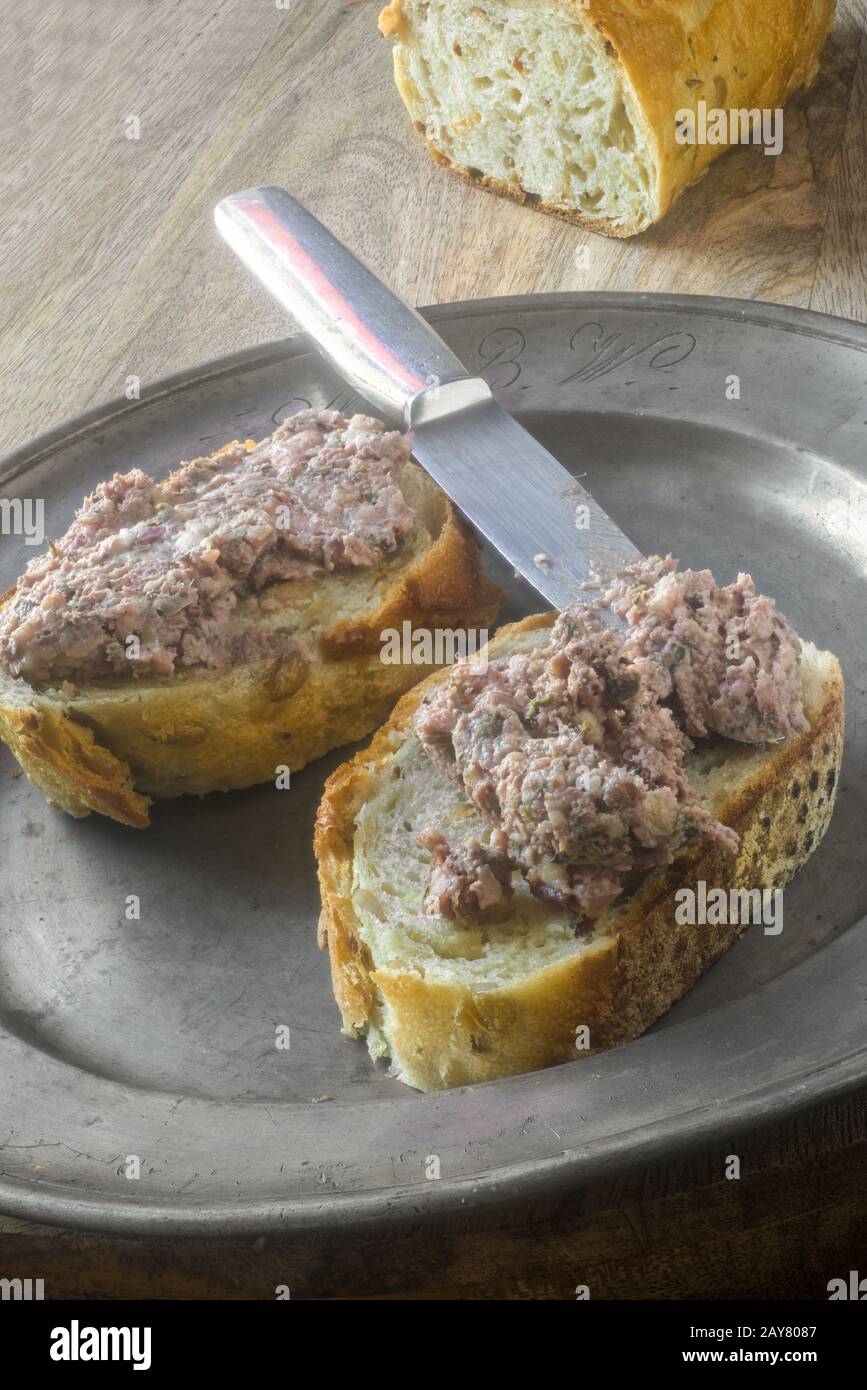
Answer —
(576, 106)
(451, 1005)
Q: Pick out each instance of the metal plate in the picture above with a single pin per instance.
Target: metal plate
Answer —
(156, 1038)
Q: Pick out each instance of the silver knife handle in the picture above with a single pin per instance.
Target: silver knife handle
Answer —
(381, 346)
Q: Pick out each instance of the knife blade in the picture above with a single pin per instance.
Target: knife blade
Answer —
(512, 489)
(526, 503)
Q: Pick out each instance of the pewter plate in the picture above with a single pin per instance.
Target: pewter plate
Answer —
(733, 434)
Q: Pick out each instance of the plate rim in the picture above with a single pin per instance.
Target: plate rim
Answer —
(760, 313)
(492, 1188)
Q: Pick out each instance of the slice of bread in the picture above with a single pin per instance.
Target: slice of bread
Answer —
(113, 744)
(452, 1005)
(574, 106)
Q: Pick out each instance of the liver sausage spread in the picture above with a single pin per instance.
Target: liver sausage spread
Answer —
(167, 565)
(471, 883)
(572, 754)
(728, 658)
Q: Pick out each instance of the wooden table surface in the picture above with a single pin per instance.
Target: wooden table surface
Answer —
(127, 124)
(111, 266)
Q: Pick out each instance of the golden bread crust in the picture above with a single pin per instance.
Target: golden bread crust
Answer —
(732, 54)
(640, 960)
(110, 748)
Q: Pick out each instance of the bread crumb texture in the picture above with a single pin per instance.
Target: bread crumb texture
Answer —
(522, 94)
(572, 105)
(450, 1005)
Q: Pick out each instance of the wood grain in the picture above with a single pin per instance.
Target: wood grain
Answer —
(110, 267)
(109, 259)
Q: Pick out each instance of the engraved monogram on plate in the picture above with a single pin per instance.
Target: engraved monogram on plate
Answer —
(603, 352)
(502, 349)
(346, 401)
(501, 352)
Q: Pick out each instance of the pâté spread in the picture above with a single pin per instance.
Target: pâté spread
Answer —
(169, 564)
(574, 752)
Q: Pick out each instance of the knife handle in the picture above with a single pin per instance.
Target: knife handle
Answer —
(381, 346)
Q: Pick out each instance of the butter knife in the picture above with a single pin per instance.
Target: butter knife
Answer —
(513, 490)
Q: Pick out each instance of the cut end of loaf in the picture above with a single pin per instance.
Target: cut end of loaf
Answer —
(523, 97)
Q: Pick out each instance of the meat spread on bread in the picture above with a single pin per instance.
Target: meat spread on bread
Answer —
(571, 755)
(204, 632)
(467, 856)
(167, 565)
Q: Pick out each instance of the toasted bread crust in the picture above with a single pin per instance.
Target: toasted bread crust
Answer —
(672, 54)
(112, 749)
(445, 1035)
